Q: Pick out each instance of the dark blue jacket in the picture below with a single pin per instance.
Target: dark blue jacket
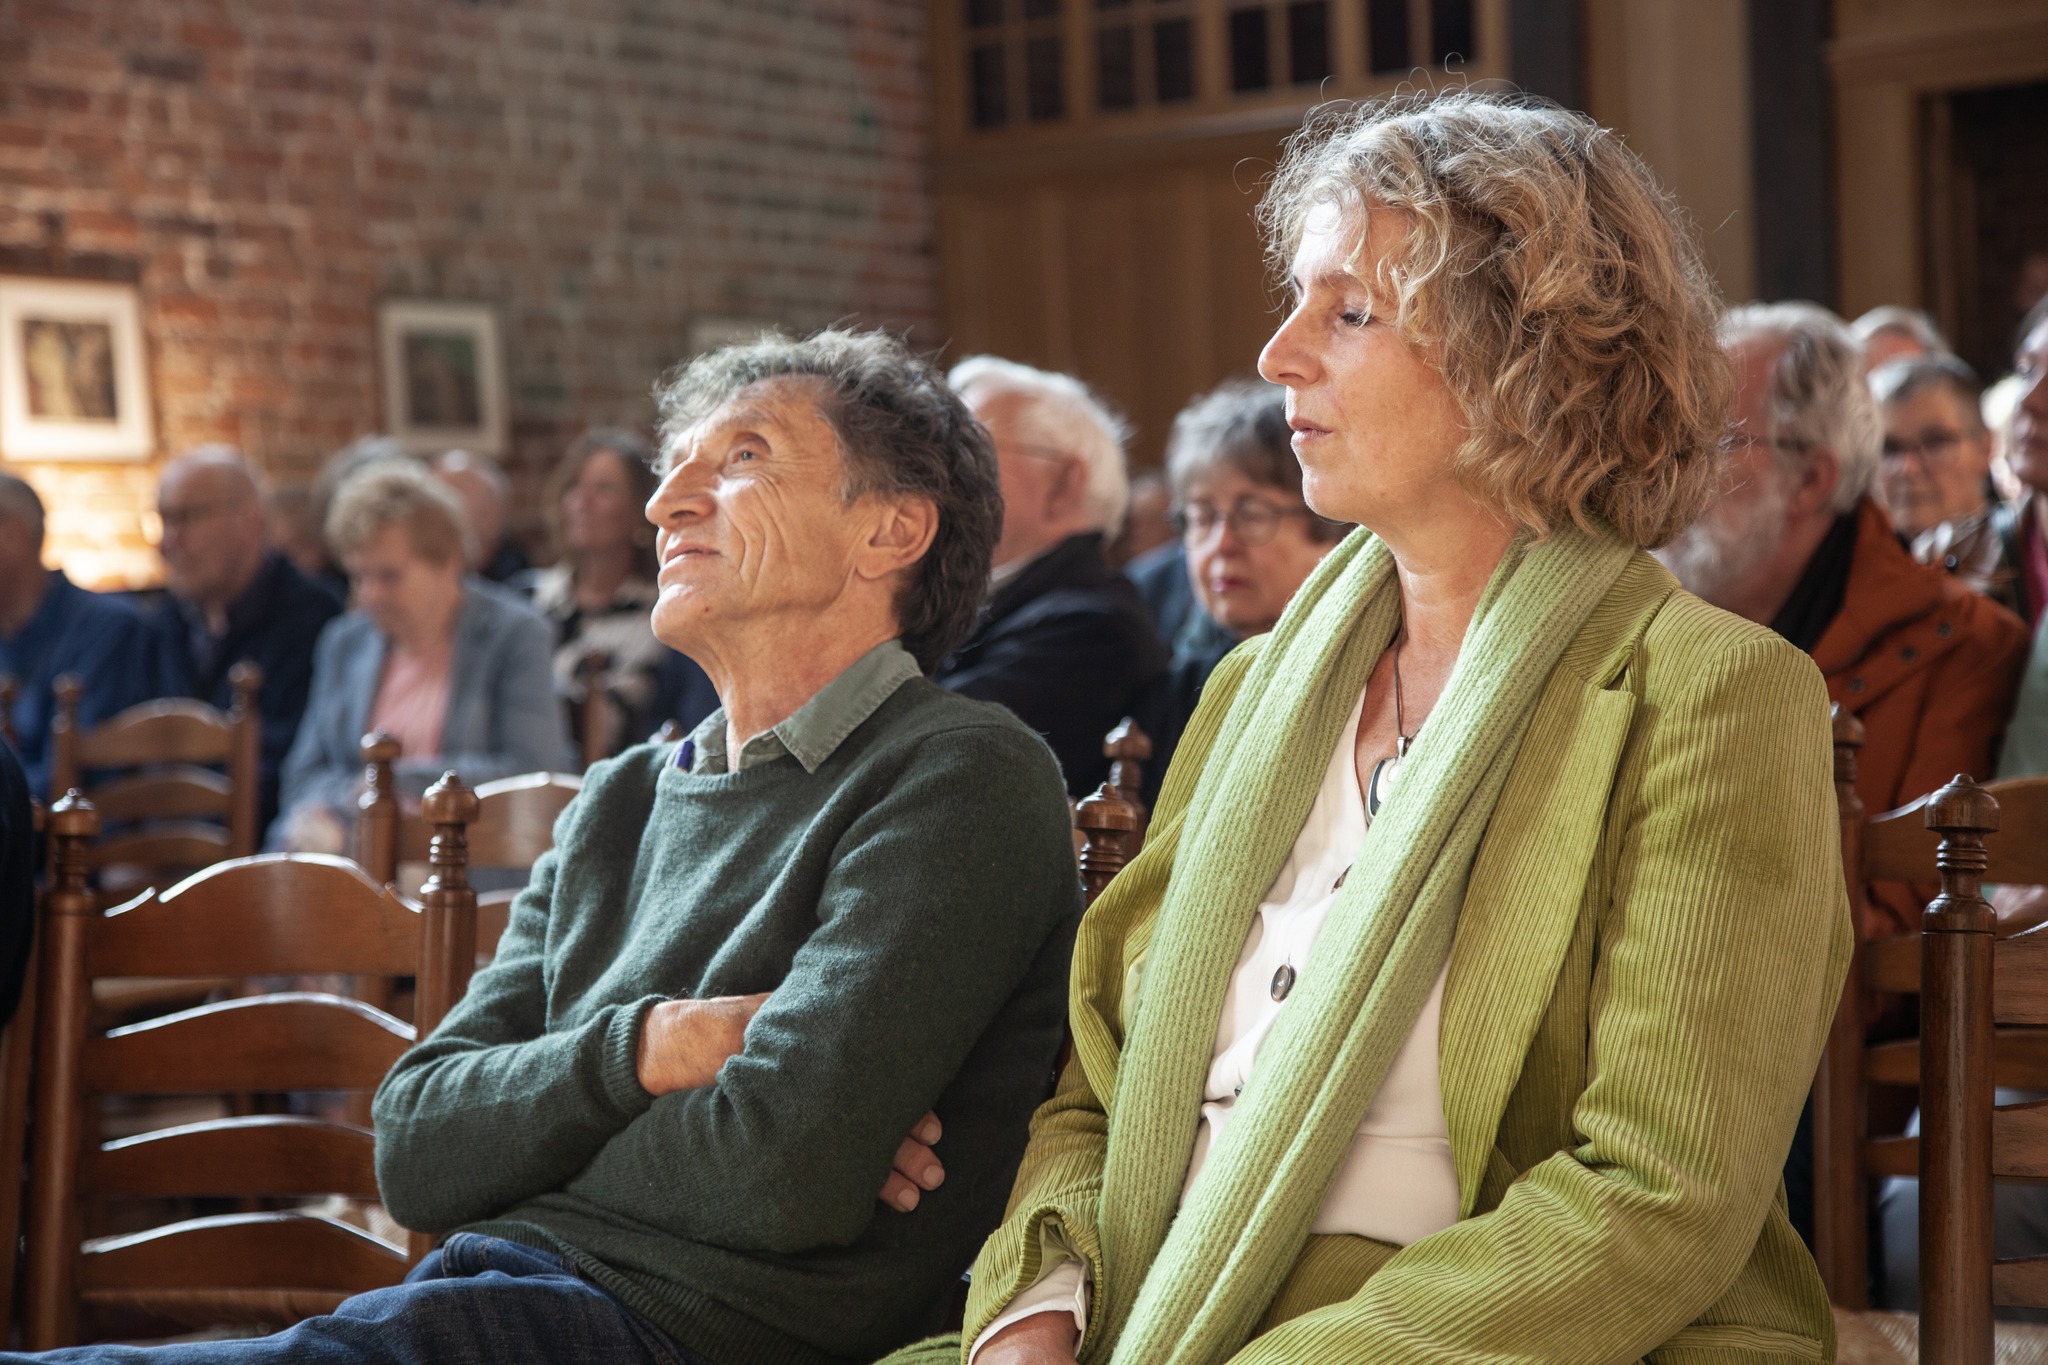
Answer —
(1068, 647)
(274, 624)
(103, 641)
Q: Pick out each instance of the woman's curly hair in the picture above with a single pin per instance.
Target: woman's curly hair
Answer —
(1554, 283)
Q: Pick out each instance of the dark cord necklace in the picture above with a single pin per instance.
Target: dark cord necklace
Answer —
(1381, 784)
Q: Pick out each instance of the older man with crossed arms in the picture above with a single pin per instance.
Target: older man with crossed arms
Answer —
(767, 968)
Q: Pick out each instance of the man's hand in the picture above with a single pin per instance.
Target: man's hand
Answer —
(684, 1042)
(914, 1169)
(1041, 1339)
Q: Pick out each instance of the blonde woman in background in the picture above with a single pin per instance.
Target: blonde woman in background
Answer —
(455, 668)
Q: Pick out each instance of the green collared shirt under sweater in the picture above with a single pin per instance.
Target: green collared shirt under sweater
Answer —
(894, 863)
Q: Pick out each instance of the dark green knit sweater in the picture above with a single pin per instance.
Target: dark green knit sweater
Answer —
(911, 904)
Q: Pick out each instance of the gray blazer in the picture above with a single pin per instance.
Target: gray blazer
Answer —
(503, 715)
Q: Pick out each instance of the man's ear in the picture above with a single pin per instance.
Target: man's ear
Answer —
(901, 530)
(1817, 482)
(1069, 489)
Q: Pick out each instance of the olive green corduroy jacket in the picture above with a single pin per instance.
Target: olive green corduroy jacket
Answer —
(1649, 953)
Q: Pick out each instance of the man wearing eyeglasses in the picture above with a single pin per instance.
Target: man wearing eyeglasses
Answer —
(1934, 476)
(1795, 541)
(1064, 640)
(233, 598)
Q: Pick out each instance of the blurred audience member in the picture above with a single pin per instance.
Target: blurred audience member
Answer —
(234, 598)
(1063, 641)
(454, 668)
(288, 516)
(49, 626)
(601, 592)
(1999, 404)
(1250, 538)
(17, 880)
(1161, 578)
(336, 470)
(1795, 543)
(1890, 333)
(2026, 743)
(484, 492)
(1148, 521)
(683, 693)
(1934, 478)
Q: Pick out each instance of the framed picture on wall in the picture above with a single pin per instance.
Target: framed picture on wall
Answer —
(73, 385)
(444, 376)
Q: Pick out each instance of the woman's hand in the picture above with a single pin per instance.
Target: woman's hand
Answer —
(684, 1042)
(914, 1169)
(1045, 1338)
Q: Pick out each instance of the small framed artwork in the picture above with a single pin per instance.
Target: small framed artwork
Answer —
(73, 385)
(444, 376)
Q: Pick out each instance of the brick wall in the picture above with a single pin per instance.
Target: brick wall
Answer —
(603, 172)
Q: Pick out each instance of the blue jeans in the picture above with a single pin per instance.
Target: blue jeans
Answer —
(476, 1301)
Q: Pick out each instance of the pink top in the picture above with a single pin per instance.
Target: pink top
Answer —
(412, 700)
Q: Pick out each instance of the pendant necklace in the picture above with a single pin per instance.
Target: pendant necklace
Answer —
(1381, 785)
(1377, 788)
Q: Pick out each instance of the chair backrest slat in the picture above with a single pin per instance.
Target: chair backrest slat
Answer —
(2021, 1283)
(252, 918)
(170, 731)
(251, 1250)
(178, 792)
(263, 1154)
(2019, 1141)
(300, 1041)
(175, 845)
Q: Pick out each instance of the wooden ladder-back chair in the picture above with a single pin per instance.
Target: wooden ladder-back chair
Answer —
(164, 803)
(514, 825)
(595, 718)
(277, 915)
(1982, 1002)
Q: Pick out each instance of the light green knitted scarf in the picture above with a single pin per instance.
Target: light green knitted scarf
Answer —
(1187, 1283)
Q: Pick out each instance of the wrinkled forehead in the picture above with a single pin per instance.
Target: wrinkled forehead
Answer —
(783, 409)
(1344, 240)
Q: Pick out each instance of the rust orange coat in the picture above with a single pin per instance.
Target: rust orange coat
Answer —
(1930, 669)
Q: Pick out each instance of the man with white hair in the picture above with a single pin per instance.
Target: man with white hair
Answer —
(1796, 543)
(234, 597)
(1064, 640)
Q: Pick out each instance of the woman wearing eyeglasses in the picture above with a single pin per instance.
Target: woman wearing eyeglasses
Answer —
(1249, 539)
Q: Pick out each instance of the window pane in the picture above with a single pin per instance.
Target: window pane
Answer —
(1045, 84)
(981, 13)
(1386, 35)
(1308, 42)
(1041, 9)
(1250, 64)
(1173, 59)
(1116, 69)
(988, 87)
(1450, 30)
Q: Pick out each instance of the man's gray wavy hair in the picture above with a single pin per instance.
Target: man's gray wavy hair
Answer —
(1819, 396)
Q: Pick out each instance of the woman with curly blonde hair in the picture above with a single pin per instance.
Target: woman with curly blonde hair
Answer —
(1462, 1002)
